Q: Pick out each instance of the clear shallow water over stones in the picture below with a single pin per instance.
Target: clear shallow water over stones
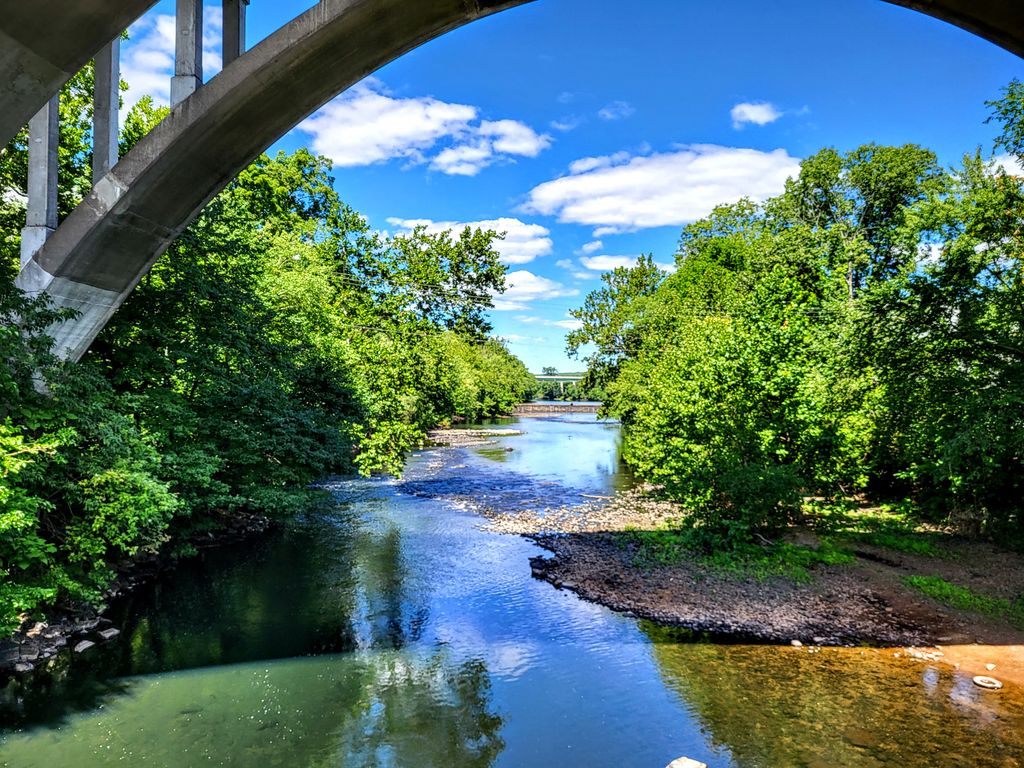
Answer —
(393, 631)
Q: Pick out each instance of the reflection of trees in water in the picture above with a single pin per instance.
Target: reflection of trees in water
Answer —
(356, 710)
(422, 712)
(773, 706)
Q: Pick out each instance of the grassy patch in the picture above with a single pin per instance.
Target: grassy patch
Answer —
(965, 599)
(667, 546)
(890, 526)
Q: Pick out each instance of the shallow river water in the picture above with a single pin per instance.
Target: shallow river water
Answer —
(392, 631)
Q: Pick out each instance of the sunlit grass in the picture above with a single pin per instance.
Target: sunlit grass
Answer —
(965, 599)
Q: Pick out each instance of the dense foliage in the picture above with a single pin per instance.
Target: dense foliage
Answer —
(278, 340)
(861, 333)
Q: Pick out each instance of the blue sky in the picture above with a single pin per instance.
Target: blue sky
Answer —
(591, 131)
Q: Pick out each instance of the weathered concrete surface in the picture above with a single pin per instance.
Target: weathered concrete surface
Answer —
(44, 42)
(105, 247)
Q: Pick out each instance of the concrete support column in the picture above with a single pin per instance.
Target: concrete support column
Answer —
(188, 50)
(106, 102)
(234, 29)
(43, 140)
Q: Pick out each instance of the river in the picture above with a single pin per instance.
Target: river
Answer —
(389, 629)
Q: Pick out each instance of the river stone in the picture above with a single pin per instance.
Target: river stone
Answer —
(22, 667)
(109, 634)
(686, 762)
(860, 737)
(84, 646)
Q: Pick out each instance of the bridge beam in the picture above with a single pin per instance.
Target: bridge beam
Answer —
(44, 42)
(111, 240)
(104, 248)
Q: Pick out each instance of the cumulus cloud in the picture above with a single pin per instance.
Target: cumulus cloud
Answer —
(367, 125)
(522, 244)
(524, 288)
(514, 138)
(607, 263)
(592, 247)
(617, 110)
(638, 192)
(147, 59)
(754, 113)
(1008, 164)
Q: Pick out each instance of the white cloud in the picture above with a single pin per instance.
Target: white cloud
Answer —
(1008, 164)
(565, 264)
(466, 160)
(571, 325)
(756, 113)
(617, 110)
(367, 125)
(524, 287)
(592, 247)
(661, 189)
(522, 244)
(147, 59)
(567, 123)
(607, 263)
(514, 138)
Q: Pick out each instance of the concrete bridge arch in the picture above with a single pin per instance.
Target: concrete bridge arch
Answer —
(102, 250)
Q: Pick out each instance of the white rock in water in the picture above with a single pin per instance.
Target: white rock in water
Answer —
(686, 762)
(796, 643)
(990, 667)
(84, 646)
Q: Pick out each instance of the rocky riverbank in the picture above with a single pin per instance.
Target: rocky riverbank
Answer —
(464, 438)
(79, 629)
(864, 602)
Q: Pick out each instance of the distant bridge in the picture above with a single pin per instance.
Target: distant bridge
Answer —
(560, 378)
(543, 409)
(141, 202)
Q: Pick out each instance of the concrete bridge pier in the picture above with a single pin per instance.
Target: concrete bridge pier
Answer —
(188, 50)
(43, 140)
(233, 44)
(106, 103)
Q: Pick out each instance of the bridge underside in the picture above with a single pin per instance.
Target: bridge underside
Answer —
(106, 246)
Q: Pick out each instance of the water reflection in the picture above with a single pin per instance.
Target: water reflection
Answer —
(813, 708)
(393, 631)
(375, 709)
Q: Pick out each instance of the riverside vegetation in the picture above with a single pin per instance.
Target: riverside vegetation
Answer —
(858, 337)
(277, 341)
